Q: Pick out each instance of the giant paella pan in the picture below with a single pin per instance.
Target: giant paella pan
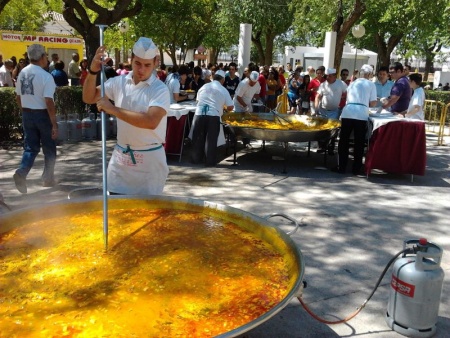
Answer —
(280, 127)
(176, 267)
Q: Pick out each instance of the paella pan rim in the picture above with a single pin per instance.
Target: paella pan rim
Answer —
(12, 220)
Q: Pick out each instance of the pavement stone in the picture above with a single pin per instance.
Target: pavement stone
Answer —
(350, 226)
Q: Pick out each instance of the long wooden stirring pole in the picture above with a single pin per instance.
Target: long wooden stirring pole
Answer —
(104, 163)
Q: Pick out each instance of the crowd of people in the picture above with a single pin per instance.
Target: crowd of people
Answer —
(73, 74)
(316, 92)
(141, 109)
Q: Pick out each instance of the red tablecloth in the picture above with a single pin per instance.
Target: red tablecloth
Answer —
(175, 134)
(399, 148)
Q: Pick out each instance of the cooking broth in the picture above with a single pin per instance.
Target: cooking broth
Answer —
(167, 273)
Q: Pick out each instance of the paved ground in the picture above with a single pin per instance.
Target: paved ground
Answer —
(351, 226)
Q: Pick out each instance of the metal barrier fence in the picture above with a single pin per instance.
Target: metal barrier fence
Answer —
(437, 118)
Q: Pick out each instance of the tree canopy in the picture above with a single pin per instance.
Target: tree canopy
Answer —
(3, 3)
(178, 25)
(269, 19)
(84, 15)
(175, 24)
(16, 16)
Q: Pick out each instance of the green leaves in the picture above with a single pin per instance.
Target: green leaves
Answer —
(16, 16)
(175, 24)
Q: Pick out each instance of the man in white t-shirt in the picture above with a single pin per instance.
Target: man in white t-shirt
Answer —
(35, 90)
(327, 103)
(73, 70)
(138, 165)
(247, 90)
(361, 94)
(329, 95)
(5, 74)
(212, 98)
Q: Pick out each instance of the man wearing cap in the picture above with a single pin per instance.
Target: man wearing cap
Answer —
(327, 102)
(247, 90)
(212, 98)
(35, 90)
(138, 164)
(73, 71)
(329, 95)
(361, 94)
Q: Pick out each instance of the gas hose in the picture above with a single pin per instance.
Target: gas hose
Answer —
(358, 310)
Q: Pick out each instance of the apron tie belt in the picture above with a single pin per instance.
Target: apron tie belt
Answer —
(131, 151)
(205, 109)
(357, 104)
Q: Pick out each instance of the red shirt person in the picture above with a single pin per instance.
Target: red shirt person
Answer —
(313, 86)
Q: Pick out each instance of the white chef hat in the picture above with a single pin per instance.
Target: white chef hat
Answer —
(254, 76)
(220, 73)
(366, 69)
(145, 48)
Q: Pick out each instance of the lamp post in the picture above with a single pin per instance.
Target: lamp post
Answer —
(123, 28)
(358, 31)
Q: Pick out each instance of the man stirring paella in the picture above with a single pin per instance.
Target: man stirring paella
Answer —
(138, 164)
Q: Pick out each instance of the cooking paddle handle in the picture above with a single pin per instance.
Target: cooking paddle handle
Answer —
(294, 221)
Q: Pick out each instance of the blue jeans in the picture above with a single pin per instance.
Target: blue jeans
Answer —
(329, 114)
(74, 81)
(37, 128)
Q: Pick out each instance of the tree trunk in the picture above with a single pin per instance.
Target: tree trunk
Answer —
(256, 39)
(339, 51)
(161, 53)
(92, 42)
(268, 55)
(213, 54)
(385, 49)
(430, 53)
(383, 55)
(76, 16)
(342, 28)
(428, 64)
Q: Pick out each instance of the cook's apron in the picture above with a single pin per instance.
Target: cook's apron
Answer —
(220, 139)
(138, 172)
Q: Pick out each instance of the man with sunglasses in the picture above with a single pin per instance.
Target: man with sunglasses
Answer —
(398, 101)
